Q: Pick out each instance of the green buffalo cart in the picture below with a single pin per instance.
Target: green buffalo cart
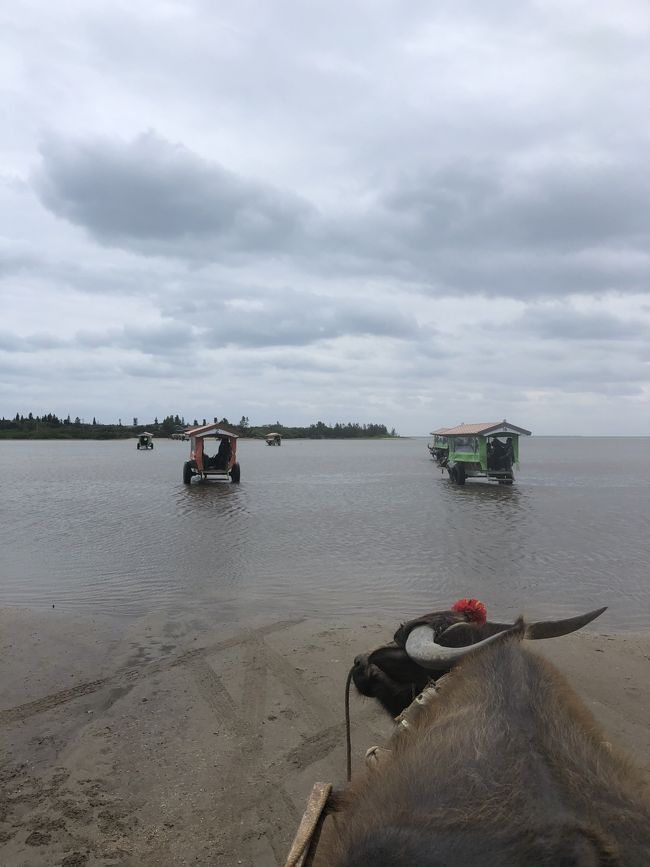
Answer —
(488, 451)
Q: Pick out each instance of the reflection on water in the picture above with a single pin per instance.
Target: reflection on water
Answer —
(326, 527)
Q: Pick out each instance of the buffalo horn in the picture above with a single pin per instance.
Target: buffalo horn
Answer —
(556, 628)
(422, 649)
(461, 634)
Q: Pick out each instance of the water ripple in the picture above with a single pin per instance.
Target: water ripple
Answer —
(340, 528)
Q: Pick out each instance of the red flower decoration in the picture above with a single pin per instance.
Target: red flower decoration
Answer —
(474, 610)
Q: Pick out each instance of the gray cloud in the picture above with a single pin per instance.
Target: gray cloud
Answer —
(153, 196)
(561, 203)
(163, 339)
(32, 343)
(567, 324)
(533, 232)
(13, 263)
(295, 319)
(493, 229)
(291, 319)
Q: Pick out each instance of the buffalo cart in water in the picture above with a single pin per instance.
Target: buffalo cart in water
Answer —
(220, 467)
(273, 439)
(488, 451)
(145, 441)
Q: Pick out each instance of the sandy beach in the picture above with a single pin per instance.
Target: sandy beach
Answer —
(147, 742)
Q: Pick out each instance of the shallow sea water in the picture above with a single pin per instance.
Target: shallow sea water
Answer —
(369, 529)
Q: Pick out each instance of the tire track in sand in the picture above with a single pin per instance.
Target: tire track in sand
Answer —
(259, 788)
(261, 793)
(24, 711)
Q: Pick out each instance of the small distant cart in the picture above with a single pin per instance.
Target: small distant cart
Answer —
(489, 451)
(145, 441)
(273, 439)
(221, 467)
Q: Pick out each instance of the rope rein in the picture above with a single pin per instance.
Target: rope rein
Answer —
(348, 739)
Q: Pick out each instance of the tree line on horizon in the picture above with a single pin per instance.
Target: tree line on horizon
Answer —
(50, 426)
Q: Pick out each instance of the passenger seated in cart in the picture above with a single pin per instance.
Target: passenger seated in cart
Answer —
(496, 453)
(223, 455)
(208, 461)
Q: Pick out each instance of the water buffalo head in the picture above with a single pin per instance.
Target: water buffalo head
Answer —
(424, 649)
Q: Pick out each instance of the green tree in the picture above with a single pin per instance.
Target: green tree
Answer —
(168, 425)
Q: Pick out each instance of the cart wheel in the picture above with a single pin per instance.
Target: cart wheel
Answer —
(459, 476)
(151, 446)
(235, 474)
(187, 472)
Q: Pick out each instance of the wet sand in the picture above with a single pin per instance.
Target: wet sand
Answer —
(154, 743)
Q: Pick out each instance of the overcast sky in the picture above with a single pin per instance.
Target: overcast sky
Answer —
(415, 213)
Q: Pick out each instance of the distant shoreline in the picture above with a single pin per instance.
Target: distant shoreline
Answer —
(50, 427)
(132, 436)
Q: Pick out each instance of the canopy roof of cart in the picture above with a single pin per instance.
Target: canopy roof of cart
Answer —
(210, 430)
(483, 429)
